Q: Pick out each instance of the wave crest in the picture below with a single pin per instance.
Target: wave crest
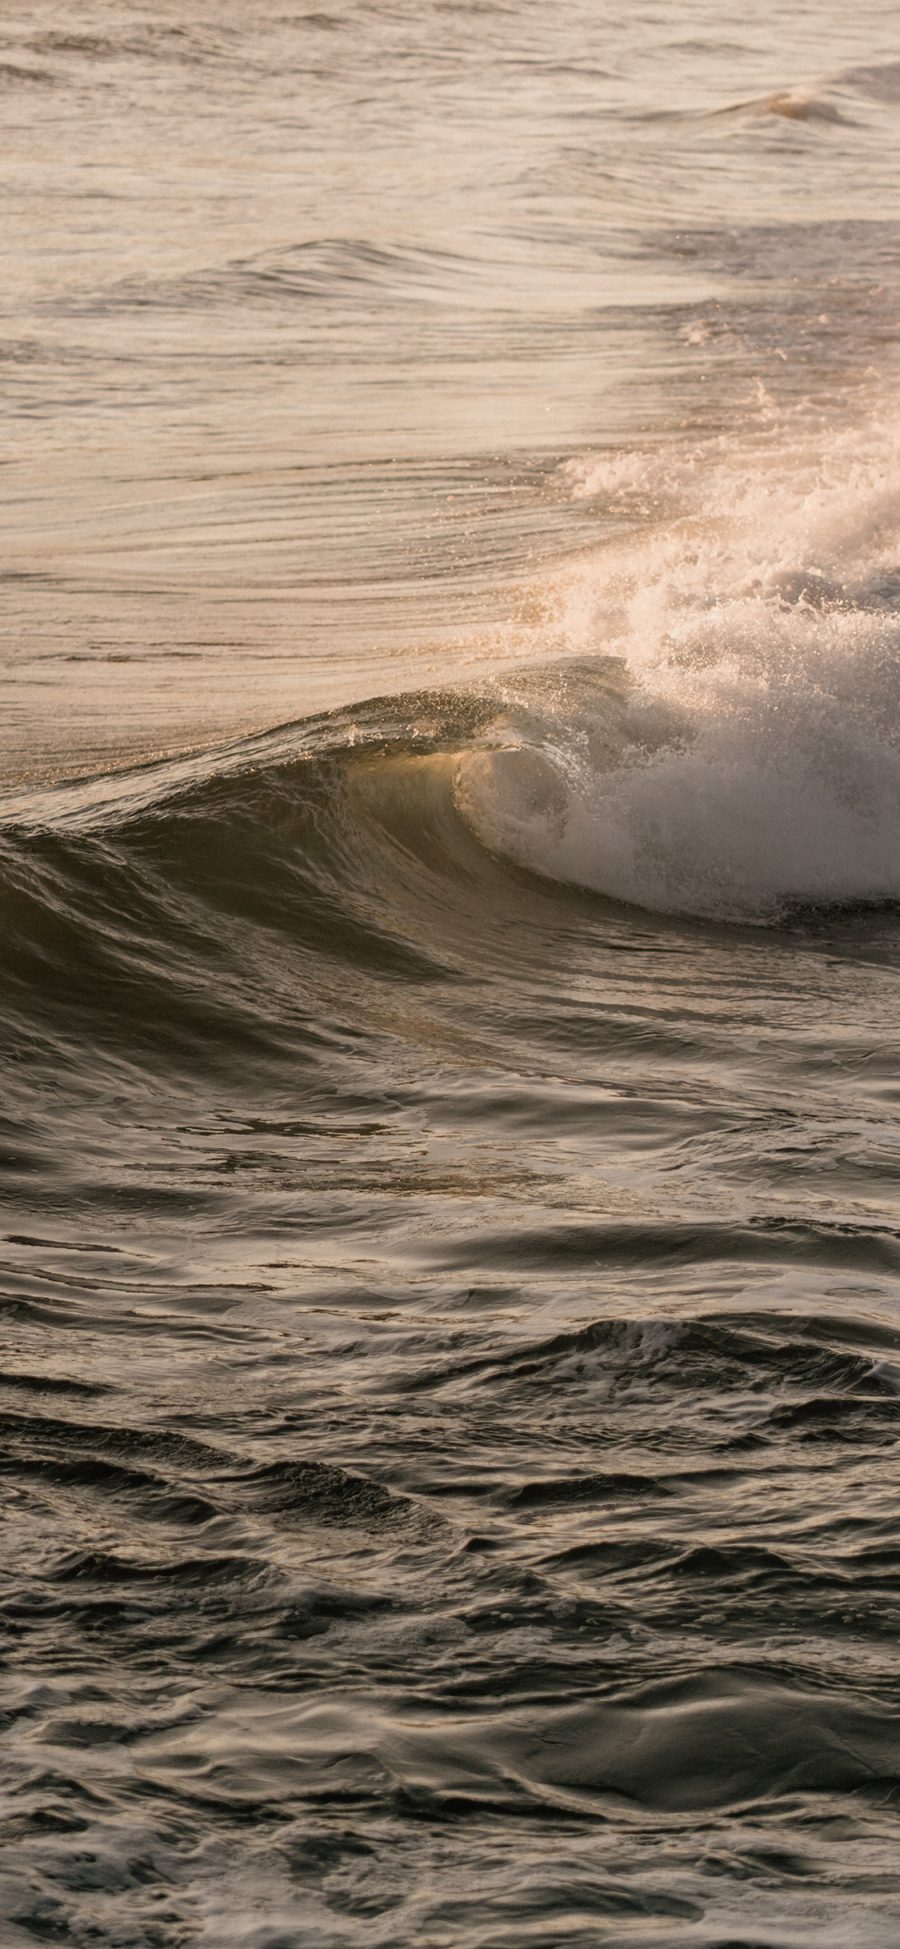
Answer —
(755, 765)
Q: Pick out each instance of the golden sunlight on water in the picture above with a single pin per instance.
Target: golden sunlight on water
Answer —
(302, 312)
(449, 873)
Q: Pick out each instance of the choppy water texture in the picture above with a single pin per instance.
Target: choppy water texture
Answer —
(449, 877)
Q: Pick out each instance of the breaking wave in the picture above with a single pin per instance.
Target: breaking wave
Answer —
(717, 737)
(736, 754)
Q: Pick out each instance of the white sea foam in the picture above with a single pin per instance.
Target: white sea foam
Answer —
(747, 761)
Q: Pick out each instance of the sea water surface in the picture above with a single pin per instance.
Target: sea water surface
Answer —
(449, 928)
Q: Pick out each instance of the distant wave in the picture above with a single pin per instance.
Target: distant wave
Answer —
(792, 104)
(333, 270)
(878, 80)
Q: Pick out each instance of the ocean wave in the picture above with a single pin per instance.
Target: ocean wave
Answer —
(878, 80)
(385, 844)
(331, 271)
(792, 104)
(716, 739)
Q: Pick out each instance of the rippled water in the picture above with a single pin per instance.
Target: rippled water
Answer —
(450, 875)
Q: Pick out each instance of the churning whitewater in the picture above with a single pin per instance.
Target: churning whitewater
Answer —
(450, 898)
(727, 746)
